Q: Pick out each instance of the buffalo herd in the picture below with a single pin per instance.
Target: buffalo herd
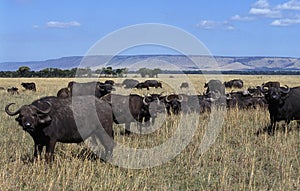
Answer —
(55, 119)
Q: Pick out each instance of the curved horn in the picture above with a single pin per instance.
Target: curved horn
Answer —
(11, 113)
(144, 101)
(43, 111)
(285, 90)
(180, 98)
(158, 102)
(262, 88)
(167, 100)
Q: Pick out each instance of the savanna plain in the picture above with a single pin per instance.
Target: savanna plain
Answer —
(234, 158)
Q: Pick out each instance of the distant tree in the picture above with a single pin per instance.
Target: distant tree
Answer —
(23, 71)
(156, 71)
(143, 72)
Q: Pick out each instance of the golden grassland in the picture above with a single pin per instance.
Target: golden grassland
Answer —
(237, 160)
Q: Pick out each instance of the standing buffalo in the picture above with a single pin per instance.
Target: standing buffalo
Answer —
(90, 88)
(153, 83)
(13, 90)
(29, 86)
(184, 85)
(127, 109)
(215, 86)
(142, 85)
(50, 120)
(283, 104)
(235, 83)
(173, 103)
(130, 83)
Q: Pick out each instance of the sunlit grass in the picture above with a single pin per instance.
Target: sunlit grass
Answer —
(237, 160)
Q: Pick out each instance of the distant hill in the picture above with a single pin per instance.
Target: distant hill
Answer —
(164, 62)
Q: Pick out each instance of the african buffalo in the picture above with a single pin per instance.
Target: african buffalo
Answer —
(271, 84)
(50, 120)
(90, 88)
(142, 85)
(184, 85)
(127, 109)
(29, 86)
(129, 83)
(13, 90)
(173, 103)
(235, 83)
(215, 86)
(283, 104)
(153, 83)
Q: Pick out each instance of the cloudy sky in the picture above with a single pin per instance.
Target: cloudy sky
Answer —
(44, 29)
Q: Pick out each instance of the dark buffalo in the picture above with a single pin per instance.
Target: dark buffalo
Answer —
(184, 85)
(29, 86)
(130, 83)
(64, 93)
(235, 83)
(90, 88)
(155, 105)
(50, 120)
(127, 109)
(111, 82)
(142, 85)
(283, 104)
(215, 86)
(243, 100)
(173, 103)
(255, 91)
(13, 90)
(153, 83)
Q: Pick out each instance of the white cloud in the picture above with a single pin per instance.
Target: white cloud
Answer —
(209, 24)
(261, 4)
(285, 22)
(265, 12)
(290, 5)
(240, 18)
(57, 24)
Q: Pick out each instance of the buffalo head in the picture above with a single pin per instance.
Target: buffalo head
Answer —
(273, 94)
(30, 116)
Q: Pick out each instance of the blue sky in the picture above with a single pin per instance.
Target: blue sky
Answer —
(44, 29)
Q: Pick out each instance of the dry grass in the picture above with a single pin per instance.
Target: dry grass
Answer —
(237, 160)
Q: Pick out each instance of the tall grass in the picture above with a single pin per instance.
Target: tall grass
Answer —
(236, 160)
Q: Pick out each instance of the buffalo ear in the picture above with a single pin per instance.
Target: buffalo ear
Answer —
(44, 119)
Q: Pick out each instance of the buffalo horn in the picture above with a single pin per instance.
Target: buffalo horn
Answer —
(167, 100)
(144, 101)
(180, 98)
(11, 113)
(43, 111)
(285, 90)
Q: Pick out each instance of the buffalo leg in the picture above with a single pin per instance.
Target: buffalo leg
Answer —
(107, 141)
(49, 156)
(127, 129)
(37, 151)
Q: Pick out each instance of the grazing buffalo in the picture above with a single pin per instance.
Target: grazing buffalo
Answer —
(184, 85)
(173, 103)
(127, 109)
(283, 104)
(215, 86)
(244, 100)
(29, 86)
(64, 93)
(142, 85)
(90, 88)
(111, 82)
(13, 90)
(2, 88)
(153, 83)
(50, 120)
(129, 83)
(235, 83)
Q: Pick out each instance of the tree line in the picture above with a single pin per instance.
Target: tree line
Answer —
(25, 71)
